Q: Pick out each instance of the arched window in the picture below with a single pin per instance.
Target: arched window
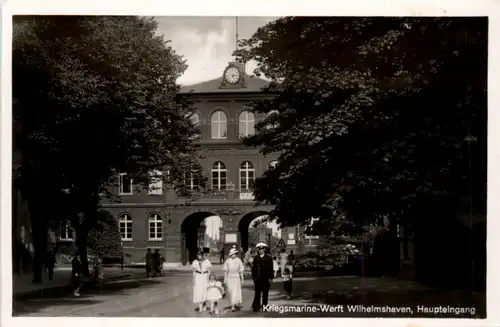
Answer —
(247, 123)
(125, 224)
(272, 164)
(155, 227)
(219, 176)
(219, 125)
(247, 176)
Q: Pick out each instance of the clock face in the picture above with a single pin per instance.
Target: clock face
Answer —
(232, 75)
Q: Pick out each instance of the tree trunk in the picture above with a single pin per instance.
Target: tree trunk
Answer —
(39, 235)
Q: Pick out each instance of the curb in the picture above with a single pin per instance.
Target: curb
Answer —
(40, 291)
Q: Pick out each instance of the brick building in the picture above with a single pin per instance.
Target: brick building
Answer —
(158, 218)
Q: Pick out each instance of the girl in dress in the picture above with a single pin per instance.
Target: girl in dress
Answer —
(201, 270)
(233, 278)
(287, 282)
(214, 293)
(276, 266)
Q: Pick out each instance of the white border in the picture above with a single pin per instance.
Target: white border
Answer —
(256, 8)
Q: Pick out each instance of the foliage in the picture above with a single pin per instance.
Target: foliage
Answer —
(93, 96)
(372, 114)
(104, 238)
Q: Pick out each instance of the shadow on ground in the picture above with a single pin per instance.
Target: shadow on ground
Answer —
(89, 295)
(371, 291)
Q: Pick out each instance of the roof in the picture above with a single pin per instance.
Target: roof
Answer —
(253, 84)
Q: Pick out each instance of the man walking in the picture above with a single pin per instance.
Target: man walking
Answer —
(149, 262)
(221, 256)
(262, 275)
(50, 261)
(76, 274)
(156, 263)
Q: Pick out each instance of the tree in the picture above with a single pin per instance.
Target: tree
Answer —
(368, 124)
(104, 239)
(93, 96)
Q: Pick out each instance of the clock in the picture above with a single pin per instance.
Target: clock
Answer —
(232, 75)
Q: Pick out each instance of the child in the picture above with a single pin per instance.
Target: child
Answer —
(215, 292)
(287, 282)
(276, 266)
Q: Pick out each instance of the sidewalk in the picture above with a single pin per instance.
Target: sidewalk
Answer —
(23, 285)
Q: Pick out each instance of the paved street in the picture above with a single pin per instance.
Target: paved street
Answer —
(171, 294)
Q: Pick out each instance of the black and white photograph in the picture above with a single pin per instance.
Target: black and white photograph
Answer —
(249, 166)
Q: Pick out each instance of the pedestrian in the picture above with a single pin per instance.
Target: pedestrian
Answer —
(201, 270)
(276, 267)
(283, 260)
(98, 272)
(156, 262)
(149, 262)
(221, 256)
(76, 274)
(262, 275)
(215, 292)
(290, 261)
(233, 278)
(287, 282)
(50, 261)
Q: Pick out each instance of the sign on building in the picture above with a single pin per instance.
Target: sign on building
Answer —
(231, 238)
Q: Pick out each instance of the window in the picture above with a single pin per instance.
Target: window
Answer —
(125, 184)
(272, 164)
(219, 125)
(155, 182)
(125, 224)
(219, 176)
(247, 175)
(191, 180)
(66, 232)
(155, 228)
(313, 220)
(269, 114)
(247, 123)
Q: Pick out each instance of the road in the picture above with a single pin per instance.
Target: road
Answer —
(166, 296)
(171, 294)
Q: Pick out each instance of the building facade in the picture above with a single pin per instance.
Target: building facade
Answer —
(158, 218)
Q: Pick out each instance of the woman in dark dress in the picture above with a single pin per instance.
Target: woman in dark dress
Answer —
(76, 274)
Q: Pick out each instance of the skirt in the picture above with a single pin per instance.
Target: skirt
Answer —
(234, 290)
(213, 294)
(200, 288)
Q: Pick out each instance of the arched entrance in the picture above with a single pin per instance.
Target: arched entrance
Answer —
(245, 225)
(199, 230)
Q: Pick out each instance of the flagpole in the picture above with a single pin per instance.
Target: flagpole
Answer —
(236, 33)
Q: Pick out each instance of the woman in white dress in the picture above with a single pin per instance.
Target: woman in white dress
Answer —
(201, 271)
(233, 278)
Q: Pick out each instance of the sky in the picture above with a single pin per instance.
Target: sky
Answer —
(207, 42)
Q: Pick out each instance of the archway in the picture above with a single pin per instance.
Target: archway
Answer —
(246, 223)
(199, 230)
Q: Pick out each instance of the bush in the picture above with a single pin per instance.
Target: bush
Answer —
(104, 239)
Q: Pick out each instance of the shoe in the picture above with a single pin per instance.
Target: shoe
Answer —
(76, 294)
(288, 297)
(216, 311)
